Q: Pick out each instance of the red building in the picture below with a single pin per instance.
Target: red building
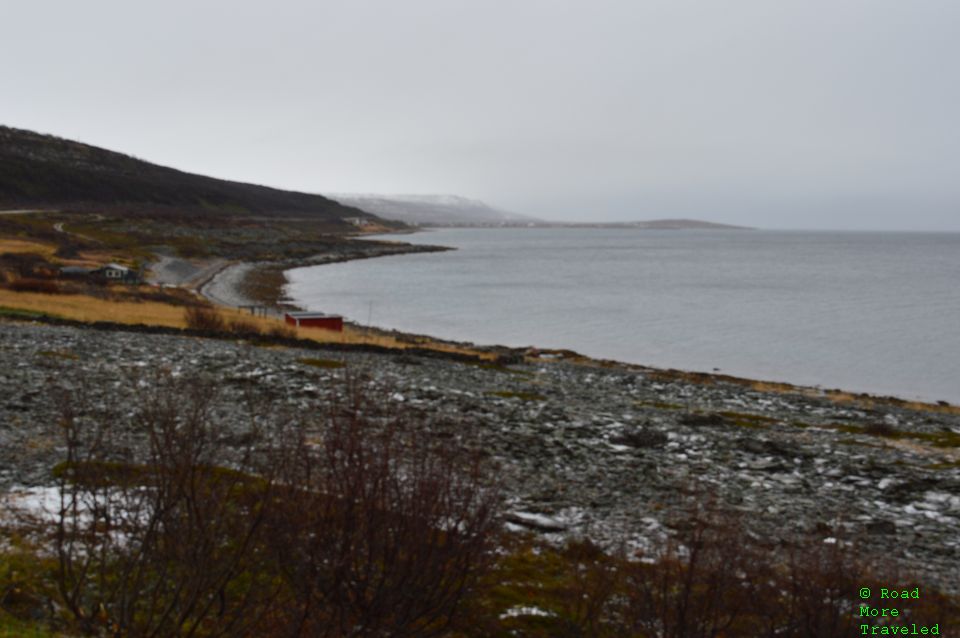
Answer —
(315, 320)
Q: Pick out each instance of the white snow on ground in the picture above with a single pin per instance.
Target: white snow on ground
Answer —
(525, 610)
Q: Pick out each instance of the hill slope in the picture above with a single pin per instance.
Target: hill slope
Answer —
(45, 171)
(434, 210)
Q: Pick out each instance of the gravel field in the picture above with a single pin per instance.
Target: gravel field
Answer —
(611, 452)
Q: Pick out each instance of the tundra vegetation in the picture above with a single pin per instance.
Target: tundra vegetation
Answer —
(358, 519)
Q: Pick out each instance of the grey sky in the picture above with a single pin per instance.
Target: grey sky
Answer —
(774, 113)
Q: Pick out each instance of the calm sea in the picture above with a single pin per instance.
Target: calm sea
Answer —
(873, 312)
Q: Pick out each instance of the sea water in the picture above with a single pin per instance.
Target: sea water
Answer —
(870, 312)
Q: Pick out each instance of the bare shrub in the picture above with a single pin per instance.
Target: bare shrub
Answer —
(244, 327)
(168, 546)
(696, 585)
(43, 286)
(390, 530)
(377, 528)
(282, 331)
(880, 428)
(28, 265)
(204, 318)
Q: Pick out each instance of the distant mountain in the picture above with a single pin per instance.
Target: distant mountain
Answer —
(43, 171)
(434, 210)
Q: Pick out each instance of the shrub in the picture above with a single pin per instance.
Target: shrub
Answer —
(880, 428)
(282, 331)
(244, 327)
(44, 286)
(204, 318)
(379, 529)
(390, 529)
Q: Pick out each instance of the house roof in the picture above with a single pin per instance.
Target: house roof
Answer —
(312, 315)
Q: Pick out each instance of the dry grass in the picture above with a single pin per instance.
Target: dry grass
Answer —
(84, 308)
(20, 246)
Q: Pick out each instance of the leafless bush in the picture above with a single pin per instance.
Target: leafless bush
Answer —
(28, 265)
(880, 428)
(356, 522)
(44, 286)
(244, 327)
(204, 318)
(696, 585)
(389, 532)
(282, 331)
(168, 547)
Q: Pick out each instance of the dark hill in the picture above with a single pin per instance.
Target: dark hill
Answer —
(41, 171)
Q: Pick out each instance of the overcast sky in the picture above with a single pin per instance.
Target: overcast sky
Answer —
(772, 113)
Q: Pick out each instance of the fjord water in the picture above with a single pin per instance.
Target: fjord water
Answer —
(867, 312)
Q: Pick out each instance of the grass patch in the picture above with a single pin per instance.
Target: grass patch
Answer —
(523, 396)
(11, 627)
(498, 367)
(944, 439)
(746, 420)
(21, 246)
(20, 313)
(937, 439)
(59, 354)
(322, 363)
(946, 465)
(659, 405)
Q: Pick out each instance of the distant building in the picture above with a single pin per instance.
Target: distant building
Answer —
(75, 272)
(359, 222)
(315, 320)
(108, 273)
(115, 272)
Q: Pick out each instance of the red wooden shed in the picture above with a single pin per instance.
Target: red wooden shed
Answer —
(315, 320)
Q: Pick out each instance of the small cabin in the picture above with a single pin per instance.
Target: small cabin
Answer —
(104, 274)
(315, 320)
(116, 272)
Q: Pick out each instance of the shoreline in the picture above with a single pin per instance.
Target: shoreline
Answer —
(613, 453)
(261, 283)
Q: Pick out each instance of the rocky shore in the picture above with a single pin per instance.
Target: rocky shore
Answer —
(261, 283)
(614, 452)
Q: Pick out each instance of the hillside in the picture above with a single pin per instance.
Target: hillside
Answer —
(434, 210)
(43, 171)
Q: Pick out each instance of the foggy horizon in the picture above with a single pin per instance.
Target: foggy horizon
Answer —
(802, 115)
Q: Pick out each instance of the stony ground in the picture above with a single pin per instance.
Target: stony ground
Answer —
(610, 452)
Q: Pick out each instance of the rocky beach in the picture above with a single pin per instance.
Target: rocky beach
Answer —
(610, 451)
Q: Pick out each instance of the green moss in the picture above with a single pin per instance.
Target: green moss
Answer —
(18, 313)
(322, 363)
(946, 465)
(938, 439)
(59, 354)
(100, 473)
(11, 627)
(660, 405)
(946, 439)
(498, 367)
(523, 396)
(26, 583)
(746, 420)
